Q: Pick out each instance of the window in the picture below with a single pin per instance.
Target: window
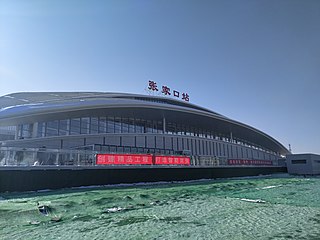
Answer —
(111, 125)
(102, 124)
(64, 127)
(85, 125)
(171, 128)
(149, 126)
(131, 125)
(139, 124)
(117, 125)
(7, 133)
(124, 125)
(160, 126)
(41, 129)
(299, 161)
(180, 129)
(52, 128)
(94, 125)
(75, 126)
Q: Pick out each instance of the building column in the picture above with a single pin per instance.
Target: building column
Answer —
(35, 130)
(17, 132)
(164, 125)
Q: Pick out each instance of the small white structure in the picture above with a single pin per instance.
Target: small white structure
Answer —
(303, 164)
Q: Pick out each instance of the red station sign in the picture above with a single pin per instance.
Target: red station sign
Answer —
(123, 159)
(172, 160)
(140, 159)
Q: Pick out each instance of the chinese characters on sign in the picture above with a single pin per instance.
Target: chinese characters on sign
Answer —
(140, 159)
(185, 97)
(123, 159)
(167, 91)
(153, 86)
(172, 160)
(248, 162)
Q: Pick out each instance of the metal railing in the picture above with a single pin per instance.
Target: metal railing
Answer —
(14, 156)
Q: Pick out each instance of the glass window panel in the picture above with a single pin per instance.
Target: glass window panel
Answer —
(64, 127)
(139, 125)
(117, 125)
(179, 129)
(105, 149)
(160, 126)
(102, 125)
(75, 126)
(7, 133)
(85, 124)
(183, 129)
(27, 130)
(52, 128)
(127, 149)
(154, 127)
(111, 125)
(149, 126)
(192, 131)
(94, 125)
(125, 125)
(41, 129)
(20, 130)
(131, 125)
(170, 128)
(119, 149)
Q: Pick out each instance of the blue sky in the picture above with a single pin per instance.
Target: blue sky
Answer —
(256, 61)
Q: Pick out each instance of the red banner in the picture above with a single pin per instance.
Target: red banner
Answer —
(123, 159)
(248, 162)
(172, 160)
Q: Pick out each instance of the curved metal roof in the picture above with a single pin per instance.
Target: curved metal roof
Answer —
(18, 107)
(29, 98)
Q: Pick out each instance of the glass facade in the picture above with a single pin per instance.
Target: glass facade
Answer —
(108, 124)
(7, 133)
(121, 125)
